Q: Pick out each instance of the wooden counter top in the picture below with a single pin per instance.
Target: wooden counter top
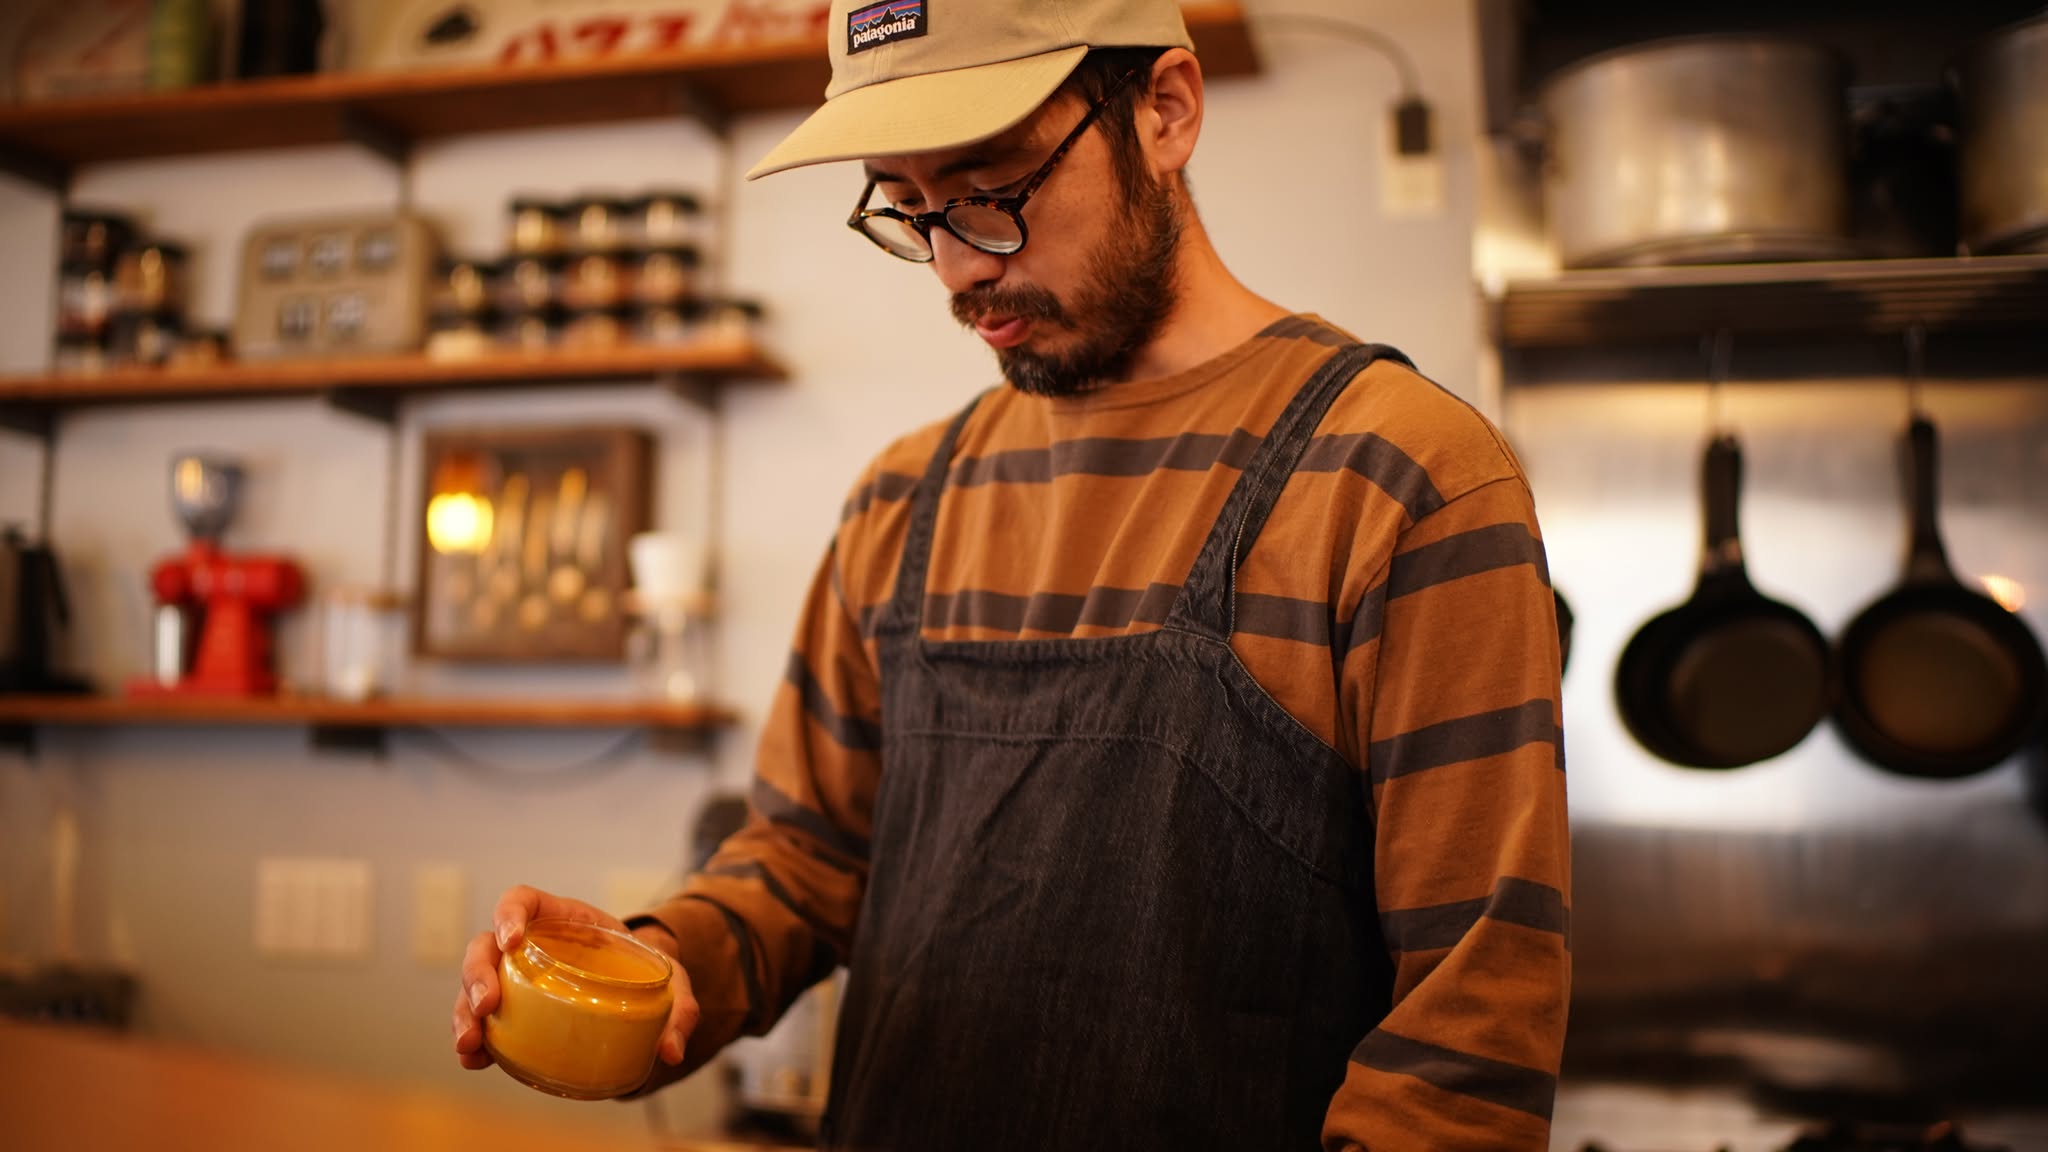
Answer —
(69, 1089)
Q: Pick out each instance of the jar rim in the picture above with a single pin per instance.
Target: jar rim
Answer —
(618, 939)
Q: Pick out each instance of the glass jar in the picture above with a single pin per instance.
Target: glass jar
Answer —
(145, 339)
(362, 634)
(731, 320)
(458, 335)
(530, 331)
(596, 223)
(662, 219)
(666, 276)
(465, 287)
(151, 278)
(594, 329)
(200, 348)
(85, 301)
(596, 281)
(667, 325)
(81, 355)
(94, 239)
(536, 226)
(581, 1010)
(530, 282)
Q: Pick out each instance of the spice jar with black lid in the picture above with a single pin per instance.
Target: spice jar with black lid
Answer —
(666, 275)
(464, 286)
(663, 218)
(537, 226)
(528, 282)
(596, 223)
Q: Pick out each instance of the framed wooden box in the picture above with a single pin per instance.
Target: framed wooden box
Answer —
(522, 551)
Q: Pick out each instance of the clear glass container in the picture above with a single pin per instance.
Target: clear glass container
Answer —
(530, 282)
(662, 219)
(530, 331)
(665, 651)
(667, 276)
(596, 223)
(580, 1010)
(361, 641)
(536, 226)
(151, 278)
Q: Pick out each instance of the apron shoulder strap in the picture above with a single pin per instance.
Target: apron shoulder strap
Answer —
(906, 606)
(1207, 604)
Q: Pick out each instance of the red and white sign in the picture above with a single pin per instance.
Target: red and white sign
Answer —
(401, 35)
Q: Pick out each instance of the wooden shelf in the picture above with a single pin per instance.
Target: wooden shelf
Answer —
(390, 111)
(483, 712)
(337, 724)
(372, 386)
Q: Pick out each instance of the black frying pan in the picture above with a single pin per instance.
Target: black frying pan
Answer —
(1564, 629)
(1937, 680)
(1731, 676)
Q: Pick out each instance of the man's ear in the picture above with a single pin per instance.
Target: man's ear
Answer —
(1170, 118)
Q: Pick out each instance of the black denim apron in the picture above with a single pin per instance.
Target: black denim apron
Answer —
(1118, 897)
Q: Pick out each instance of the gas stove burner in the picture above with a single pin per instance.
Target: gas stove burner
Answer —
(1848, 1137)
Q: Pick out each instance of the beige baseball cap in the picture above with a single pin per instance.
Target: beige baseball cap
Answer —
(924, 75)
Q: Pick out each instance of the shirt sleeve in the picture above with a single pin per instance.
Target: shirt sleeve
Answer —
(772, 912)
(1464, 749)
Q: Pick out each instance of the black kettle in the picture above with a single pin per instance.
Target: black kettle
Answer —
(32, 611)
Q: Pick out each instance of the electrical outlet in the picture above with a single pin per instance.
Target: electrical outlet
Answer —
(440, 927)
(312, 909)
(1411, 187)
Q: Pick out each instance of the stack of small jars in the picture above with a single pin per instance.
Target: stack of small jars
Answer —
(121, 299)
(591, 273)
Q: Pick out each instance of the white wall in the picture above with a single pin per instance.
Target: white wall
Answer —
(175, 821)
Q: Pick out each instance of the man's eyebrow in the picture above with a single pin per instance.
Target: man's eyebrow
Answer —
(978, 159)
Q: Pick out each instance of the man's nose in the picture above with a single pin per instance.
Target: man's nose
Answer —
(960, 265)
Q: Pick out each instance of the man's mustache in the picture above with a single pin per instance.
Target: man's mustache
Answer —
(1023, 303)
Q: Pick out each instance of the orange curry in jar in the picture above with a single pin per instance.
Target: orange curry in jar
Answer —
(580, 1010)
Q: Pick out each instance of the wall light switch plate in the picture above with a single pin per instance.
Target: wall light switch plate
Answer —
(312, 909)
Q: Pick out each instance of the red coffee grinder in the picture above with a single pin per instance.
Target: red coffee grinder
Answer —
(227, 601)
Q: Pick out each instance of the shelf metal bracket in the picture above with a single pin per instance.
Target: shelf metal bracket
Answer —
(365, 741)
(376, 135)
(19, 738)
(681, 742)
(376, 405)
(696, 389)
(53, 176)
(36, 423)
(691, 100)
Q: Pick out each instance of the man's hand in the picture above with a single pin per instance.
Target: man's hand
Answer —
(478, 995)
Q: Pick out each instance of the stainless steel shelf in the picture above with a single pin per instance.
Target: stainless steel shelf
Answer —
(2004, 296)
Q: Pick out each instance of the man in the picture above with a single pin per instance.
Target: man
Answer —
(1170, 746)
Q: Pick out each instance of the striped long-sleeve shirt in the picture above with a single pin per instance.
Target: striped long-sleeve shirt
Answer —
(1397, 605)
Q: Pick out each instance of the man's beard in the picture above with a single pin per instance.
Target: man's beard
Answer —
(1130, 291)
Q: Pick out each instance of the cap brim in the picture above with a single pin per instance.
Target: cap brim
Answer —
(925, 113)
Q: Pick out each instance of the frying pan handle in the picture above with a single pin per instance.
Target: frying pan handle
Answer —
(1721, 480)
(1927, 563)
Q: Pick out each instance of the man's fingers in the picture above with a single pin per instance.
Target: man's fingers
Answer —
(480, 974)
(468, 1031)
(682, 1019)
(521, 905)
(516, 907)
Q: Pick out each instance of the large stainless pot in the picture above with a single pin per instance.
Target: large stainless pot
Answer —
(2003, 86)
(1699, 150)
